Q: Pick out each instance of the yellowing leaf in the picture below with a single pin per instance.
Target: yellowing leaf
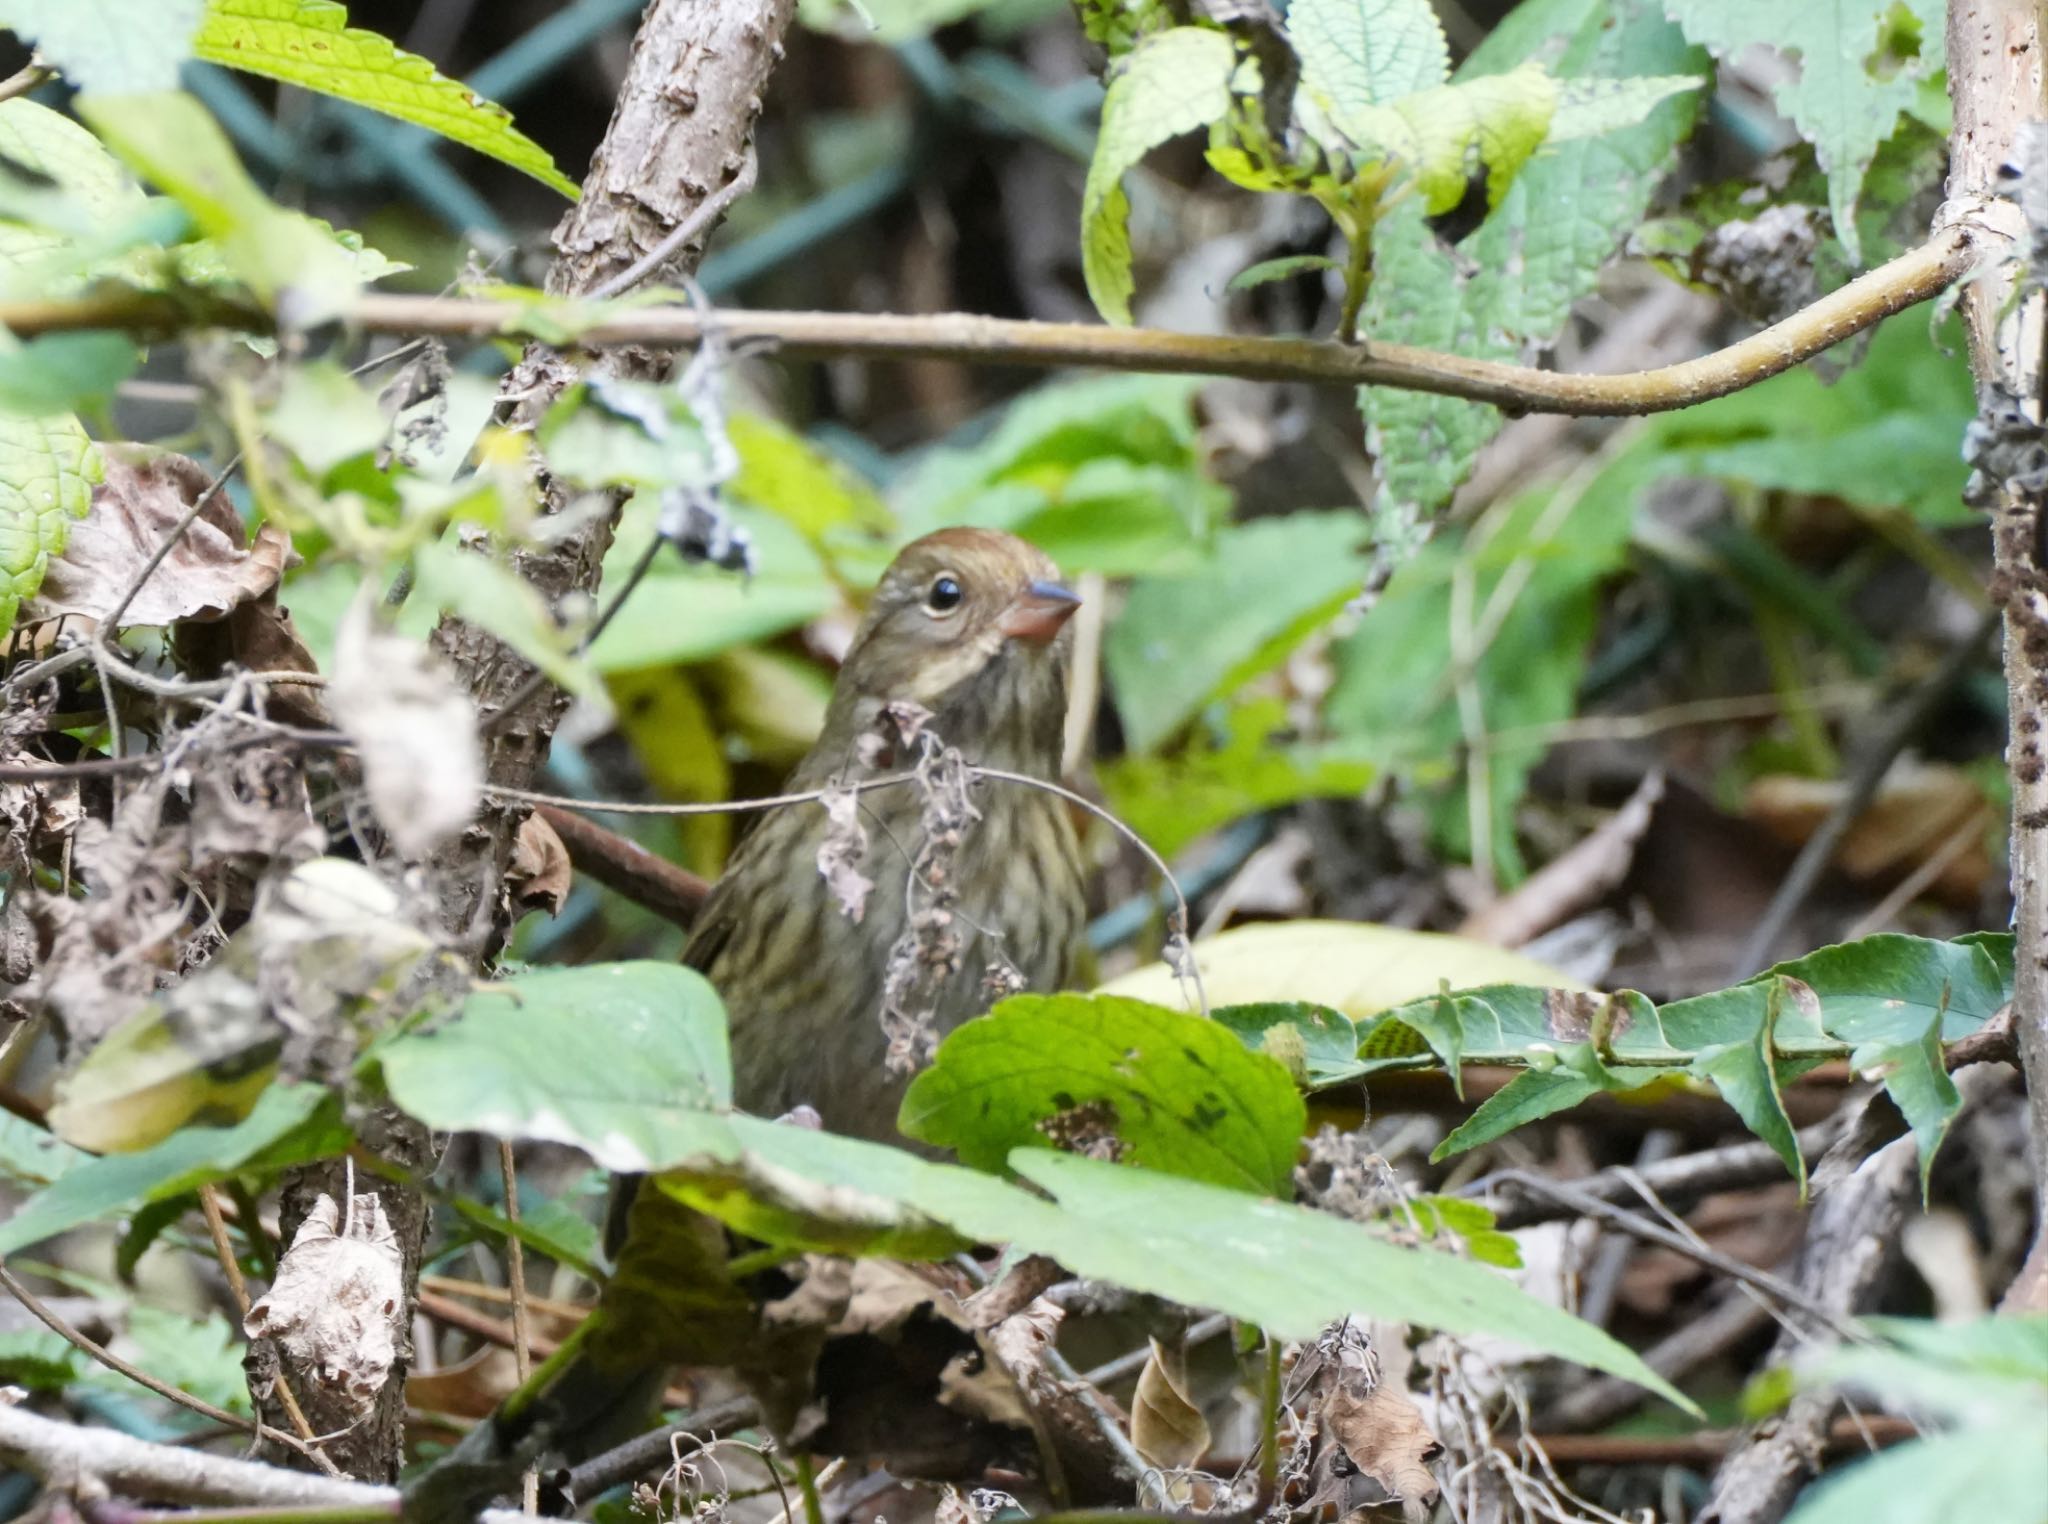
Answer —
(47, 471)
(1353, 967)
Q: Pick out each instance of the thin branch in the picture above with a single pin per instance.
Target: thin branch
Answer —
(1912, 278)
(164, 1389)
(23, 80)
(622, 865)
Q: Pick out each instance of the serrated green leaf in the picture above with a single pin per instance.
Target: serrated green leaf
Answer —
(115, 46)
(1538, 252)
(48, 468)
(289, 1124)
(1857, 71)
(626, 1061)
(1261, 589)
(1179, 1093)
(1588, 107)
(309, 43)
(91, 190)
(1745, 1071)
(1324, 1040)
(1170, 83)
(1445, 136)
(1360, 53)
(1466, 1220)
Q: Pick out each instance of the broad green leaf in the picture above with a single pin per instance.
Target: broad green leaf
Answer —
(1286, 1269)
(1172, 800)
(115, 46)
(289, 1124)
(1445, 135)
(1261, 589)
(31, 1155)
(626, 1061)
(1166, 1090)
(62, 371)
(624, 434)
(168, 138)
(1588, 107)
(201, 1355)
(91, 191)
(664, 717)
(551, 1228)
(1488, 630)
(1316, 1045)
(324, 416)
(1860, 63)
(1978, 1473)
(1359, 53)
(689, 613)
(1170, 83)
(1466, 1220)
(1510, 288)
(1357, 969)
(48, 468)
(40, 1359)
(309, 43)
(472, 586)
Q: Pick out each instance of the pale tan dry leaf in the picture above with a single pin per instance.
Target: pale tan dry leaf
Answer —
(1384, 1434)
(1166, 1426)
(334, 1307)
(539, 875)
(415, 733)
(1916, 811)
(210, 571)
(472, 1388)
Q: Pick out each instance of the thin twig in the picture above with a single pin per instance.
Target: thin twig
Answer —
(163, 1389)
(23, 80)
(708, 211)
(1858, 789)
(1913, 277)
(224, 1250)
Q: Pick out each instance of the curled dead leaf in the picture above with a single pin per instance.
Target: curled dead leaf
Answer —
(839, 854)
(539, 875)
(209, 571)
(1167, 1428)
(334, 1308)
(1384, 1435)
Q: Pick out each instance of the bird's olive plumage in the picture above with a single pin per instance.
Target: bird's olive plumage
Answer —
(968, 624)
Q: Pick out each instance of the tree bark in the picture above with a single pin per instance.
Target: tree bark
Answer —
(679, 134)
(1996, 82)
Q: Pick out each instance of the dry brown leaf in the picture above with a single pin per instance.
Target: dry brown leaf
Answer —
(334, 1306)
(540, 874)
(1384, 1434)
(472, 1388)
(1917, 810)
(209, 571)
(1166, 1426)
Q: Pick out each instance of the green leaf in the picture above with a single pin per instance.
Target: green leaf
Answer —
(40, 1359)
(1262, 589)
(309, 43)
(91, 193)
(291, 264)
(1857, 70)
(31, 1155)
(62, 371)
(289, 1124)
(688, 613)
(473, 586)
(626, 1061)
(1465, 1220)
(1359, 53)
(115, 46)
(48, 468)
(1316, 1045)
(1170, 83)
(784, 474)
(1285, 268)
(1286, 1269)
(1172, 800)
(1511, 288)
(1178, 1093)
(1445, 135)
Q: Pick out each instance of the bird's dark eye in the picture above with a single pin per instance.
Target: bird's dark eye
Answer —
(945, 595)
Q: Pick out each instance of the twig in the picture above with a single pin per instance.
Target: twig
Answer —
(140, 1377)
(643, 1452)
(1639, 1226)
(515, 1276)
(1595, 1404)
(1914, 277)
(621, 864)
(224, 1251)
(1872, 763)
(708, 211)
(1704, 1446)
(23, 80)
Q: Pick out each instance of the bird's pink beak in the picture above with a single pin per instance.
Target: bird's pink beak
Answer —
(1037, 613)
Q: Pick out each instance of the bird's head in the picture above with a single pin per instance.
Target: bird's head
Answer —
(970, 624)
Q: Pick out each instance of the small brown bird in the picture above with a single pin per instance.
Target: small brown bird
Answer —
(970, 626)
